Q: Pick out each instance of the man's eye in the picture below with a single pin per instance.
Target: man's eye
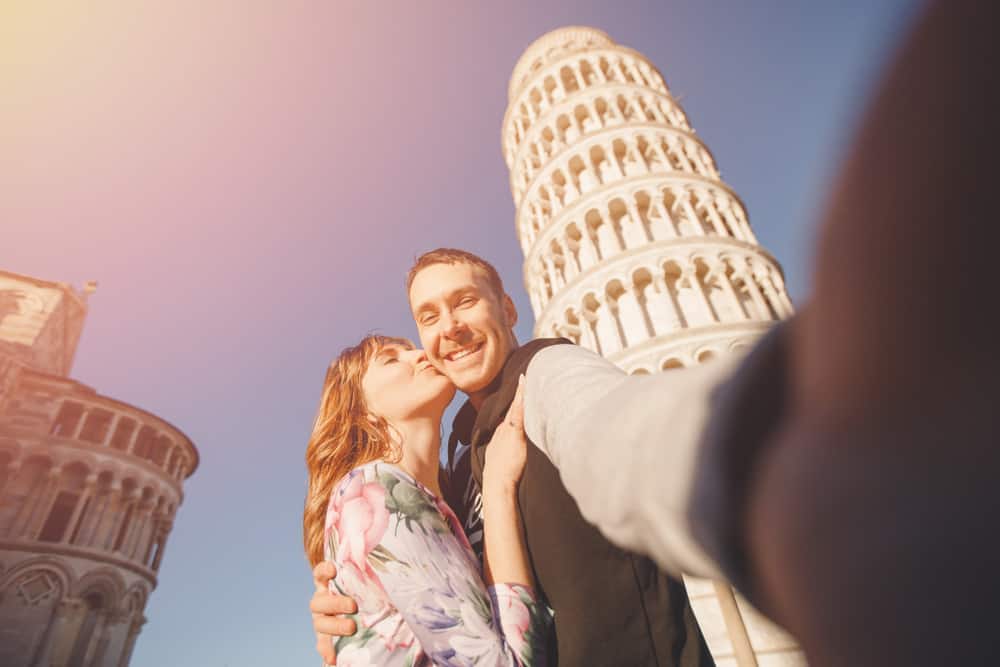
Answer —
(428, 319)
(467, 301)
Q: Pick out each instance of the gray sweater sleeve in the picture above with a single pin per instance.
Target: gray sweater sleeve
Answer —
(626, 447)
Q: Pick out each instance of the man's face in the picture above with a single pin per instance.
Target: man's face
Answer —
(464, 326)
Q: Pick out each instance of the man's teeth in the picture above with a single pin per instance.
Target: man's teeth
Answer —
(455, 356)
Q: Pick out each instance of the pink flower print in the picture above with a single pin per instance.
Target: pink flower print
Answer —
(515, 614)
(360, 518)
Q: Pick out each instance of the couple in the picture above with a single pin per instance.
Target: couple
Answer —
(392, 523)
(846, 478)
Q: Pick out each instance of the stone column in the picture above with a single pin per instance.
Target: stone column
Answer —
(99, 646)
(673, 143)
(619, 67)
(606, 326)
(62, 633)
(79, 425)
(88, 491)
(112, 425)
(691, 275)
(657, 145)
(661, 225)
(754, 291)
(40, 504)
(572, 194)
(664, 312)
(530, 108)
(570, 268)
(764, 280)
(634, 163)
(612, 159)
(607, 238)
(598, 72)
(138, 527)
(595, 118)
(560, 86)
(118, 507)
(683, 198)
(94, 517)
(588, 254)
(164, 531)
(576, 75)
(13, 468)
(635, 232)
(634, 322)
(135, 627)
(718, 269)
(707, 204)
(130, 447)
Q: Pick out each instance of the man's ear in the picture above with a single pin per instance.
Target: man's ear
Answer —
(509, 311)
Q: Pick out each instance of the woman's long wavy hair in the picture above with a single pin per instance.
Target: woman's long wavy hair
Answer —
(345, 435)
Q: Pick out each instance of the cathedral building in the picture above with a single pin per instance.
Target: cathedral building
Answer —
(89, 487)
(635, 248)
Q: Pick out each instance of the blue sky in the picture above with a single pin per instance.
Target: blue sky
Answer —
(249, 181)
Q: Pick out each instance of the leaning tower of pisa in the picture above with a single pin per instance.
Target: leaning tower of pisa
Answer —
(634, 246)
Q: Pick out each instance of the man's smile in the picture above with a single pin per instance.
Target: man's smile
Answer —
(464, 352)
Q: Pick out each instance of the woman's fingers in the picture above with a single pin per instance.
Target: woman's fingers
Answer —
(323, 573)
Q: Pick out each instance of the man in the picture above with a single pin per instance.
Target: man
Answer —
(611, 606)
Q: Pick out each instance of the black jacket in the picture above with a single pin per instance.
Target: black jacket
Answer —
(611, 607)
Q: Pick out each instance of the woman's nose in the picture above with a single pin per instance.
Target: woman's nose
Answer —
(415, 356)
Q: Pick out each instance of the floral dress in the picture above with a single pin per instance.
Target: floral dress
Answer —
(401, 554)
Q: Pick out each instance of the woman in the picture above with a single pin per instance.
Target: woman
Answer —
(374, 508)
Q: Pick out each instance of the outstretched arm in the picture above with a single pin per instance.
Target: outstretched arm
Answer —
(627, 447)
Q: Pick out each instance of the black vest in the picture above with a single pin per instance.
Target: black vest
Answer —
(611, 607)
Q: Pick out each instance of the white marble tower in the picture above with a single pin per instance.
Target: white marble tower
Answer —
(634, 247)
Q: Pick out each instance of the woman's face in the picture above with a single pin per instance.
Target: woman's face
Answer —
(400, 384)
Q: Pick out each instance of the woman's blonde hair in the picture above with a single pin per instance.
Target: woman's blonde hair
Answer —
(344, 436)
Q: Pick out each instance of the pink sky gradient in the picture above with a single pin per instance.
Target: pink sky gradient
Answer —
(249, 181)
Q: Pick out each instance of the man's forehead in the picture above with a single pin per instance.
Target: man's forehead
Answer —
(440, 280)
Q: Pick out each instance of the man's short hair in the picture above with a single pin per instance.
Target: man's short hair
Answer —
(456, 256)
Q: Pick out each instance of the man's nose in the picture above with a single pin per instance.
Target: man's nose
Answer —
(452, 327)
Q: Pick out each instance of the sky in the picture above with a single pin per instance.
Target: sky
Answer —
(248, 182)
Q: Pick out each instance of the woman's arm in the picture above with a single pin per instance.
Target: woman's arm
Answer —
(504, 556)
